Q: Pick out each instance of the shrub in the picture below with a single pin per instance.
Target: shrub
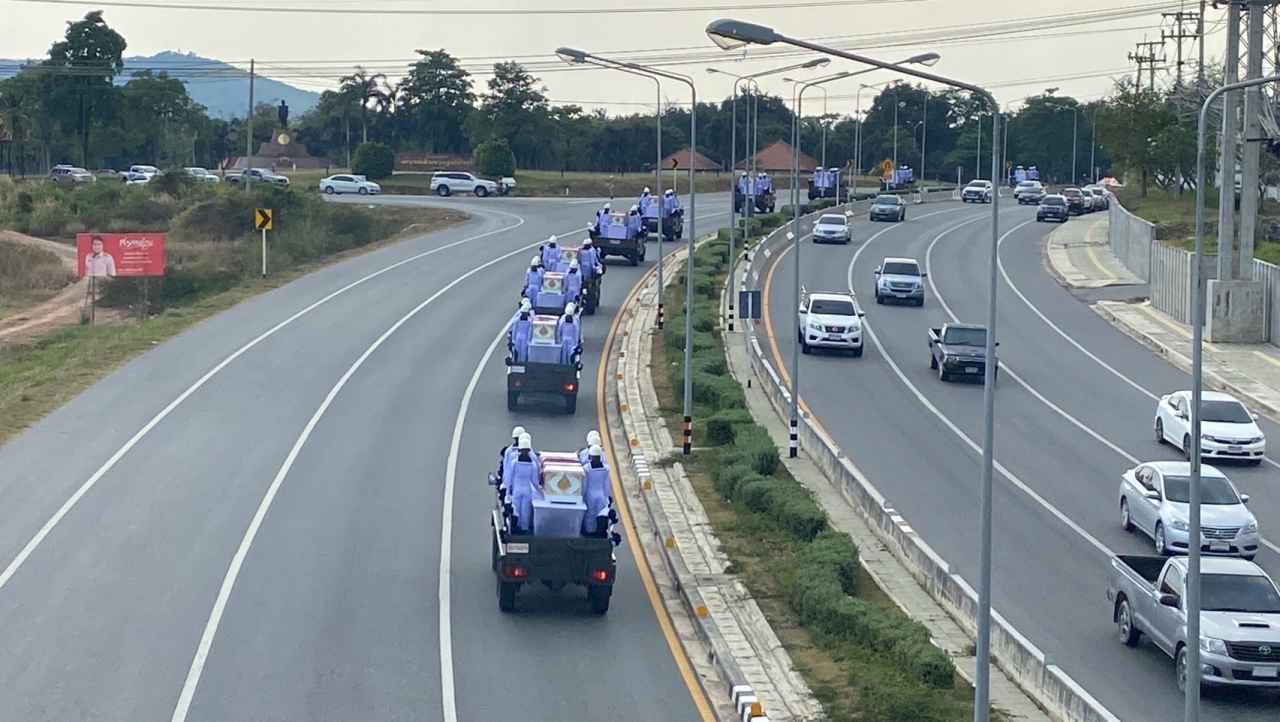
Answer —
(174, 182)
(494, 158)
(374, 161)
(799, 514)
(760, 494)
(711, 362)
(49, 218)
(836, 550)
(888, 700)
(729, 478)
(753, 443)
(722, 427)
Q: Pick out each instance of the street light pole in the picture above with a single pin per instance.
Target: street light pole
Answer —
(729, 34)
(896, 105)
(733, 160)
(578, 56)
(1093, 145)
(1191, 708)
(1075, 177)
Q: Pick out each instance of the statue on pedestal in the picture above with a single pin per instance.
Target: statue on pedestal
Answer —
(283, 113)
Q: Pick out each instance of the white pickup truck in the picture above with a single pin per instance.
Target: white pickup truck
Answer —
(1239, 616)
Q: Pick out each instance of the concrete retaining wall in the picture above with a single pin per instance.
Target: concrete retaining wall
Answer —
(1131, 239)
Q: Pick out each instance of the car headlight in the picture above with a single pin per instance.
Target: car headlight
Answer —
(1180, 525)
(1213, 646)
(1206, 437)
(1252, 526)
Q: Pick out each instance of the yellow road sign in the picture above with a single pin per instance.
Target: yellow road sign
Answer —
(262, 219)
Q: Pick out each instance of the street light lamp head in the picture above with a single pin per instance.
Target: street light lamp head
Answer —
(926, 59)
(571, 56)
(734, 34)
(816, 63)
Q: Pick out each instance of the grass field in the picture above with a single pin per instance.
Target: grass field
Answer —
(1175, 217)
(29, 275)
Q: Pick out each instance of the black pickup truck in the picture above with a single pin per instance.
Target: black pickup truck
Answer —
(959, 350)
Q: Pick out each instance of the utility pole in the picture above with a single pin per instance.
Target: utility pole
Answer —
(1178, 34)
(248, 132)
(1228, 143)
(1254, 106)
(1200, 43)
(1146, 55)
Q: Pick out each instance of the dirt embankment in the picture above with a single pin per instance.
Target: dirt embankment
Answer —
(36, 293)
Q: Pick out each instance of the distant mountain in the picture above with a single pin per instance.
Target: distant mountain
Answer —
(220, 87)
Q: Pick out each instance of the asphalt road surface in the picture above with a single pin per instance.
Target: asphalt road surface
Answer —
(1075, 405)
(282, 513)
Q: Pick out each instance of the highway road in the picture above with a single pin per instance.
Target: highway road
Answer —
(1074, 406)
(282, 514)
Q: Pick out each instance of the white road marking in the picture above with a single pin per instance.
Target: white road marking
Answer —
(233, 571)
(928, 262)
(1079, 347)
(447, 700)
(84, 488)
(1006, 473)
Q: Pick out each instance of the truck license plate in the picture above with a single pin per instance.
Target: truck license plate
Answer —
(833, 337)
(971, 369)
(615, 242)
(1269, 672)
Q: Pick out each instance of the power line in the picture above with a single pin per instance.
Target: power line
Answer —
(367, 10)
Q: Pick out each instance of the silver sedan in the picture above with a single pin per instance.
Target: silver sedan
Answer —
(1154, 499)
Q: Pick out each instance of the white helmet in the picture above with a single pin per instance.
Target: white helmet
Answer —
(525, 305)
(573, 265)
(535, 261)
(525, 442)
(608, 206)
(595, 451)
(646, 190)
(587, 241)
(668, 192)
(517, 432)
(569, 308)
(635, 208)
(551, 241)
(593, 438)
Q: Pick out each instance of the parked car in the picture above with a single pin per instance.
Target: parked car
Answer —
(446, 183)
(1154, 500)
(1227, 429)
(1028, 192)
(1091, 203)
(1102, 199)
(900, 279)
(829, 320)
(140, 174)
(1053, 208)
(346, 183)
(1075, 201)
(202, 175)
(67, 175)
(959, 349)
(978, 191)
(888, 207)
(259, 175)
(1239, 616)
(831, 228)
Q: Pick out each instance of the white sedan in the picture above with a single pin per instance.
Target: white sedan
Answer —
(1227, 429)
(343, 183)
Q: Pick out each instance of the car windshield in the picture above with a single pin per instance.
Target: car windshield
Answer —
(1071, 193)
(1214, 490)
(1227, 412)
(832, 307)
(1027, 184)
(978, 184)
(893, 268)
(966, 336)
(1239, 593)
(831, 221)
(1054, 201)
(886, 200)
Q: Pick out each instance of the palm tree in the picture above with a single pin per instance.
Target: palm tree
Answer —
(362, 87)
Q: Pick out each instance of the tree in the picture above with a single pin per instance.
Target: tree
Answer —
(435, 100)
(88, 58)
(516, 106)
(362, 89)
(373, 160)
(494, 158)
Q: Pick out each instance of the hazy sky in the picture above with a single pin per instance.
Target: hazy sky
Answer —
(386, 42)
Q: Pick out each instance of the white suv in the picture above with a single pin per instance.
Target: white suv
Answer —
(830, 320)
(446, 183)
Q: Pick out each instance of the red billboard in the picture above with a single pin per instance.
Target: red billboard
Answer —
(119, 254)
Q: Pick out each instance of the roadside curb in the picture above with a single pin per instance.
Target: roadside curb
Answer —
(1014, 655)
(1108, 310)
(752, 677)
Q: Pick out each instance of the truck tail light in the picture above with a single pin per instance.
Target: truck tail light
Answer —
(570, 388)
(517, 572)
(600, 575)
